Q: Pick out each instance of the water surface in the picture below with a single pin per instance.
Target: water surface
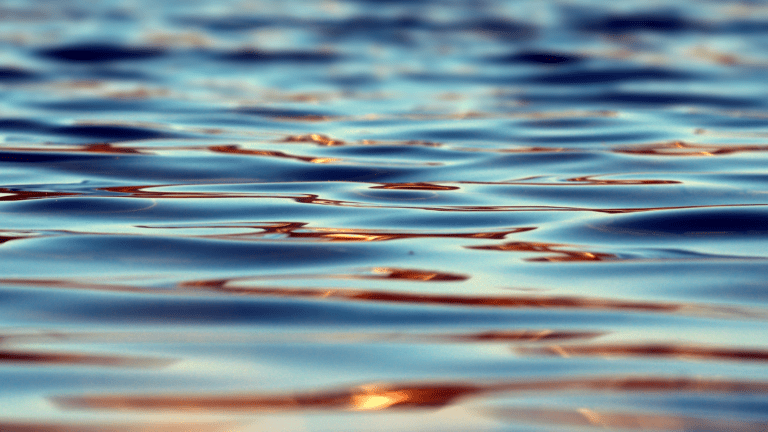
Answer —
(383, 215)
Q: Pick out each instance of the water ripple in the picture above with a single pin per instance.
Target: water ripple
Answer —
(459, 215)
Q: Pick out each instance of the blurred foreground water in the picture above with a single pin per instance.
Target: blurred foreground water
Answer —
(383, 216)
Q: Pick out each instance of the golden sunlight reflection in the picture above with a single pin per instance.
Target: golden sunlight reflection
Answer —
(233, 149)
(557, 254)
(301, 230)
(314, 138)
(418, 275)
(681, 148)
(220, 286)
(372, 397)
(381, 396)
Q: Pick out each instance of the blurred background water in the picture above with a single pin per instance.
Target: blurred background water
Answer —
(383, 215)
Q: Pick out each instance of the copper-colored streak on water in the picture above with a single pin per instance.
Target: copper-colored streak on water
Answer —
(7, 238)
(78, 359)
(378, 273)
(324, 140)
(87, 148)
(379, 396)
(233, 149)
(524, 336)
(581, 303)
(414, 186)
(652, 350)
(300, 230)
(314, 138)
(340, 234)
(592, 181)
(158, 426)
(431, 299)
(559, 254)
(16, 195)
(365, 397)
(680, 148)
(579, 181)
(4, 239)
(305, 118)
(443, 300)
(517, 150)
(584, 417)
(140, 192)
(419, 275)
(108, 148)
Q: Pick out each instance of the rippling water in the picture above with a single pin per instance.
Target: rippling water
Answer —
(383, 216)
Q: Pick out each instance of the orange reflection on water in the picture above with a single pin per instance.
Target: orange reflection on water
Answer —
(524, 336)
(374, 397)
(26, 357)
(559, 254)
(314, 138)
(108, 148)
(364, 397)
(584, 303)
(158, 426)
(414, 186)
(561, 302)
(681, 148)
(233, 149)
(142, 192)
(142, 336)
(516, 150)
(652, 350)
(381, 396)
(578, 181)
(301, 230)
(502, 302)
(7, 194)
(419, 275)
(584, 417)
(341, 234)
(591, 180)
(387, 273)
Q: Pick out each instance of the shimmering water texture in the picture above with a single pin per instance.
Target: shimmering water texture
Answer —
(390, 216)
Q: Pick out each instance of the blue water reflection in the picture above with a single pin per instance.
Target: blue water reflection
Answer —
(383, 215)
